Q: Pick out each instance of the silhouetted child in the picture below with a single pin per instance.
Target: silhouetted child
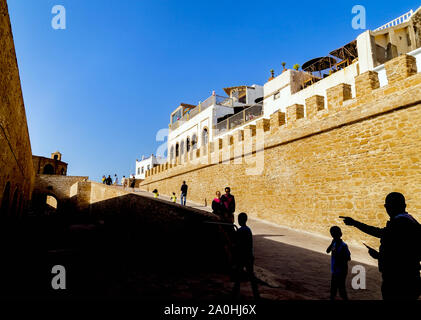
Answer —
(339, 263)
(244, 256)
(155, 193)
(174, 197)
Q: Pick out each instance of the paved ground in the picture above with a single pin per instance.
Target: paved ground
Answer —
(295, 264)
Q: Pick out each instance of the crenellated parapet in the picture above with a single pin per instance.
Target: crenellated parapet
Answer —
(319, 113)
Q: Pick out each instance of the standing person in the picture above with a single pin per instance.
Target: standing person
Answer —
(109, 180)
(103, 179)
(217, 206)
(183, 196)
(155, 193)
(124, 182)
(339, 263)
(400, 253)
(115, 179)
(133, 183)
(244, 256)
(228, 202)
(174, 198)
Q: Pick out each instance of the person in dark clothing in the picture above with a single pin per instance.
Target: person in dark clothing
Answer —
(399, 254)
(228, 202)
(133, 183)
(109, 180)
(244, 257)
(183, 196)
(217, 206)
(339, 263)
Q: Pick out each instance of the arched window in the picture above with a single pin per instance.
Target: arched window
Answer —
(182, 147)
(205, 137)
(177, 150)
(188, 144)
(172, 153)
(4, 209)
(194, 142)
(48, 169)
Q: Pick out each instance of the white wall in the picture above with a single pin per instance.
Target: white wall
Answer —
(287, 98)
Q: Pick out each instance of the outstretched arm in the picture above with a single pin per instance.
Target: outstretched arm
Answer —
(370, 230)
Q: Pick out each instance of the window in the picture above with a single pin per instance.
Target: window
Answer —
(149, 167)
(138, 170)
(188, 144)
(205, 137)
(177, 150)
(143, 170)
(194, 142)
(172, 153)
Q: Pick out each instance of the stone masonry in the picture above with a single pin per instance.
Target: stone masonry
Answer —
(314, 169)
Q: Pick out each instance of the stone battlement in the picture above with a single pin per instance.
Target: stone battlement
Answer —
(303, 120)
(329, 157)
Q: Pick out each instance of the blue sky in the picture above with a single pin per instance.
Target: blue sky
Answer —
(100, 90)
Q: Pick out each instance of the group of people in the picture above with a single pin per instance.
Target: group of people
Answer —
(399, 254)
(398, 257)
(125, 182)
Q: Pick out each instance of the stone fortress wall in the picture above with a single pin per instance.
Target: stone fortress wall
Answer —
(16, 168)
(316, 162)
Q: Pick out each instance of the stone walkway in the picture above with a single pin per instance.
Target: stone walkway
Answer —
(295, 264)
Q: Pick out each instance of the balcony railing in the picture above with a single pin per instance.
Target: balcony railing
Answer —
(403, 18)
(251, 113)
(212, 100)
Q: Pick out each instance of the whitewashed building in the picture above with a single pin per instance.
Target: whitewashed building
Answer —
(146, 164)
(193, 126)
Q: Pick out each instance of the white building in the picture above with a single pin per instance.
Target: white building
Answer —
(368, 52)
(193, 126)
(146, 164)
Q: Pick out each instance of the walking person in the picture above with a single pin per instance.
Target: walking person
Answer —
(124, 182)
(339, 263)
(133, 183)
(115, 180)
(174, 198)
(228, 202)
(183, 197)
(104, 179)
(244, 257)
(109, 180)
(399, 254)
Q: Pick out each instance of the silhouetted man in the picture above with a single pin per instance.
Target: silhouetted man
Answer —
(244, 257)
(228, 203)
(183, 197)
(399, 254)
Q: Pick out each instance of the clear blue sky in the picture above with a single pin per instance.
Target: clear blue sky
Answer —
(101, 89)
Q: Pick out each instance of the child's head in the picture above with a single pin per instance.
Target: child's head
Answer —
(336, 232)
(242, 219)
(173, 193)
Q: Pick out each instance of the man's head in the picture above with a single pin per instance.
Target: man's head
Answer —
(242, 219)
(336, 232)
(184, 182)
(395, 204)
(218, 194)
(227, 190)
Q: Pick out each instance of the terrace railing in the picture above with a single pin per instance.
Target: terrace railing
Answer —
(212, 100)
(403, 18)
(251, 113)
